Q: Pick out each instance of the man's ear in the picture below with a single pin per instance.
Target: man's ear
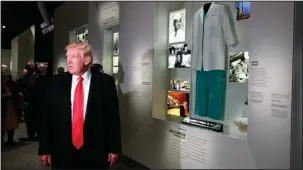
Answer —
(86, 61)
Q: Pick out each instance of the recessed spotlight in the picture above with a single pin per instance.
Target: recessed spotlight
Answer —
(3, 26)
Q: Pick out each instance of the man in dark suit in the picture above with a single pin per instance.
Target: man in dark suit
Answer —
(98, 67)
(25, 90)
(60, 70)
(81, 125)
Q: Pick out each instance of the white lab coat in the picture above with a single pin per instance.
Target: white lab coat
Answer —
(219, 31)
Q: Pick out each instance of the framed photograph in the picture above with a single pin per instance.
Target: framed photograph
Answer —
(238, 67)
(79, 34)
(116, 43)
(178, 103)
(180, 85)
(83, 37)
(243, 10)
(179, 56)
(177, 26)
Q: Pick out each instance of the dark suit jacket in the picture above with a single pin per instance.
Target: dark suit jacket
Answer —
(102, 133)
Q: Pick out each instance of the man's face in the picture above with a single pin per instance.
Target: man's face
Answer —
(75, 61)
(30, 67)
(24, 71)
(42, 68)
(178, 25)
(3, 69)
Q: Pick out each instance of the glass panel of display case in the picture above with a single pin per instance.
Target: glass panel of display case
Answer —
(201, 62)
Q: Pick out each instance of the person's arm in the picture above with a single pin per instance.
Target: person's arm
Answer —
(6, 95)
(113, 124)
(20, 86)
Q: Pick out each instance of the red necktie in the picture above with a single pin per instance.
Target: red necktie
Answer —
(77, 122)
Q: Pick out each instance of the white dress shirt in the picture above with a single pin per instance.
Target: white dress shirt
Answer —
(86, 84)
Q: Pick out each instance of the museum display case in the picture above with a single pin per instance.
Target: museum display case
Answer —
(202, 53)
(79, 34)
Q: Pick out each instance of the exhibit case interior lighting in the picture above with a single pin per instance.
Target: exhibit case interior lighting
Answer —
(203, 53)
(79, 34)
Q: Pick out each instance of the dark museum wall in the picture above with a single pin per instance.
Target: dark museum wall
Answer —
(44, 43)
(44, 47)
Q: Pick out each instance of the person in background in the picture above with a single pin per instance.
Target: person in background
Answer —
(24, 72)
(25, 89)
(81, 124)
(40, 87)
(60, 70)
(21, 104)
(4, 69)
(9, 118)
(41, 69)
(98, 67)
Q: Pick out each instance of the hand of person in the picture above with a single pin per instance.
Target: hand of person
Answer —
(112, 158)
(46, 160)
(5, 95)
(20, 94)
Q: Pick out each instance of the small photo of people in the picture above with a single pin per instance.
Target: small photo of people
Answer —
(83, 37)
(238, 67)
(116, 44)
(180, 85)
(179, 56)
(243, 10)
(178, 103)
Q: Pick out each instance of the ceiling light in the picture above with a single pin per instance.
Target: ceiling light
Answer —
(3, 26)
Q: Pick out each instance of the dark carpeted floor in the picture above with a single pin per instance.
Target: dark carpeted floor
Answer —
(23, 155)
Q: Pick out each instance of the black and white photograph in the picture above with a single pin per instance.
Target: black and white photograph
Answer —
(83, 37)
(116, 43)
(238, 67)
(179, 56)
(177, 26)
